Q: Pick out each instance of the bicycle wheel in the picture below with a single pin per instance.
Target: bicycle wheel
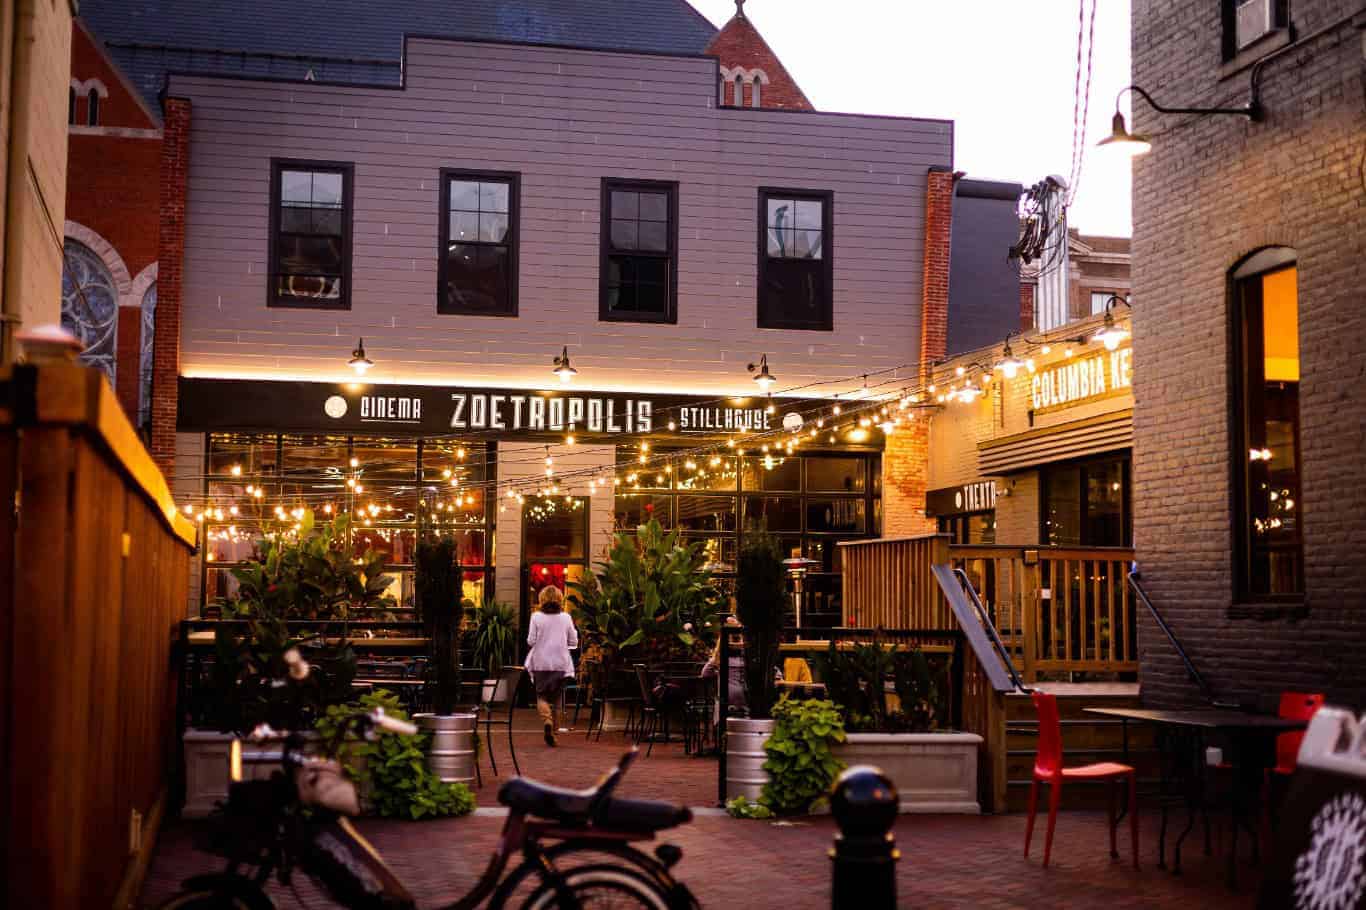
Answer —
(207, 900)
(600, 888)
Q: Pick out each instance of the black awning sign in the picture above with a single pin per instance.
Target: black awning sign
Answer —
(979, 496)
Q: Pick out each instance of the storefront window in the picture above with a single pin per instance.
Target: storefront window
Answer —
(706, 513)
(636, 509)
(836, 475)
(1086, 504)
(771, 473)
(973, 528)
(776, 514)
(555, 528)
(1269, 548)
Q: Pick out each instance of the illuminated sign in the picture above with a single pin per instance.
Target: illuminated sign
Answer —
(1082, 379)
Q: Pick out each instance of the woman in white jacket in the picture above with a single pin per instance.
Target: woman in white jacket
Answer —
(551, 637)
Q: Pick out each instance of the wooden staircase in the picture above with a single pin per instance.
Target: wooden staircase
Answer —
(1086, 738)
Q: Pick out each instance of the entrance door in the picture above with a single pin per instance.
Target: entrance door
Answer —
(554, 550)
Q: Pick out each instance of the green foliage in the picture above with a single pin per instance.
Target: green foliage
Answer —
(395, 775)
(760, 604)
(855, 679)
(495, 637)
(311, 573)
(743, 808)
(641, 600)
(801, 766)
(438, 602)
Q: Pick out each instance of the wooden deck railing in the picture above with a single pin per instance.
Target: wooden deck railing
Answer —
(888, 584)
(1057, 609)
(87, 617)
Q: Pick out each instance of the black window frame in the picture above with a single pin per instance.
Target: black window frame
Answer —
(1126, 459)
(670, 188)
(1228, 20)
(513, 179)
(347, 170)
(826, 322)
(1245, 341)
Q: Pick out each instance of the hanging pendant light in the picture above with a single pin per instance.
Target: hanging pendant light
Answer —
(762, 378)
(1010, 365)
(563, 369)
(359, 362)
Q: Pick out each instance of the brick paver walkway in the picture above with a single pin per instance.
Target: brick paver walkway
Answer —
(948, 861)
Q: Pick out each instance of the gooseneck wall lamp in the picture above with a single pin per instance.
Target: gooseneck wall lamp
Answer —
(1122, 141)
(1111, 334)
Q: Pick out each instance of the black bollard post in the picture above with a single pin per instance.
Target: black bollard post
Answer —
(864, 805)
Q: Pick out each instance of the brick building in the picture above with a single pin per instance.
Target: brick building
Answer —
(1249, 416)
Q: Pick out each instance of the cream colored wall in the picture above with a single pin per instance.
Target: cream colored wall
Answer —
(35, 57)
(521, 461)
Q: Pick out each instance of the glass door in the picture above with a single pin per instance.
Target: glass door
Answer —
(554, 550)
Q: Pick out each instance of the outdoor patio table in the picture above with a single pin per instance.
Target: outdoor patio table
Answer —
(1252, 738)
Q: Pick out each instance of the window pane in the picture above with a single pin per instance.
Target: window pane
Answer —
(231, 543)
(624, 235)
(464, 196)
(327, 188)
(478, 278)
(793, 291)
(296, 219)
(718, 552)
(464, 226)
(1062, 506)
(780, 214)
(310, 255)
(625, 204)
(493, 228)
(809, 214)
(1104, 505)
(493, 197)
(326, 221)
(835, 475)
(654, 207)
(654, 236)
(250, 455)
(554, 527)
(706, 513)
(296, 186)
(809, 245)
(781, 242)
(635, 509)
(771, 473)
(712, 472)
(775, 513)
(826, 551)
(835, 515)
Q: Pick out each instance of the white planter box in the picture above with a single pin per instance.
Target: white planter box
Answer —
(933, 772)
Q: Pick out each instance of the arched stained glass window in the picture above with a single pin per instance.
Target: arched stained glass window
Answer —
(90, 306)
(149, 307)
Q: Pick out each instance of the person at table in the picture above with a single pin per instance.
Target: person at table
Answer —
(551, 637)
(735, 682)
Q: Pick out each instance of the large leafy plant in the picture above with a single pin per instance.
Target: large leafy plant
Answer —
(801, 765)
(856, 679)
(495, 636)
(308, 573)
(760, 605)
(438, 601)
(394, 772)
(646, 597)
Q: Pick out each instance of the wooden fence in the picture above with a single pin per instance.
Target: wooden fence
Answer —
(100, 569)
(888, 584)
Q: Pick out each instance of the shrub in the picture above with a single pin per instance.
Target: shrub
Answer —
(395, 774)
(743, 808)
(801, 766)
(438, 601)
(760, 605)
(495, 636)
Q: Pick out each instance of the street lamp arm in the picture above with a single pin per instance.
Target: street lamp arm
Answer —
(1252, 110)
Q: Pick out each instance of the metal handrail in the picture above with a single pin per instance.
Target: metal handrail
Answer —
(990, 628)
(1193, 673)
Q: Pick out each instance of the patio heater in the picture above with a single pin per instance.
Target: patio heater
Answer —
(797, 567)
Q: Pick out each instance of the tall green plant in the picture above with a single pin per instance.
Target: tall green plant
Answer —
(438, 601)
(645, 596)
(760, 604)
(495, 636)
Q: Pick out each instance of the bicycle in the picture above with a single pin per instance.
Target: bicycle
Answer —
(299, 818)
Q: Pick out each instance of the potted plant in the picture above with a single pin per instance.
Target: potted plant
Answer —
(451, 755)
(495, 641)
(759, 605)
(260, 673)
(901, 731)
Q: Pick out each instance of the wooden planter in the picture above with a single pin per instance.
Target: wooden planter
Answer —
(933, 772)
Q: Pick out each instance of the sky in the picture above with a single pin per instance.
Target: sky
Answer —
(1003, 70)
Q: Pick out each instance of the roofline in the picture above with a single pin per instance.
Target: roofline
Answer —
(127, 84)
(418, 36)
(698, 13)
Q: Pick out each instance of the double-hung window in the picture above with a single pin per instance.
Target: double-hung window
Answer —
(639, 272)
(310, 234)
(796, 265)
(477, 267)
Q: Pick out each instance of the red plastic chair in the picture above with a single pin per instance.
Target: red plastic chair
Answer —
(1048, 769)
(1294, 706)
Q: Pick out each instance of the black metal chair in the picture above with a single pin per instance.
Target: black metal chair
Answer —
(503, 696)
(649, 711)
(615, 688)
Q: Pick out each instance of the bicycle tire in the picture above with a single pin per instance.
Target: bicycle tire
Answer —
(200, 899)
(601, 888)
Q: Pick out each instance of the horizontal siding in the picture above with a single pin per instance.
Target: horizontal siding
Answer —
(563, 119)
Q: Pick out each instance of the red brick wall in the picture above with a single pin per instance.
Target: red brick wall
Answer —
(740, 44)
(1212, 191)
(905, 462)
(1026, 307)
(175, 165)
(122, 108)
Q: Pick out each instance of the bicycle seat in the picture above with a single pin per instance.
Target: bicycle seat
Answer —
(580, 807)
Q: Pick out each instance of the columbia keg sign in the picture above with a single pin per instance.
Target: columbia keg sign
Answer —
(979, 496)
(1082, 379)
(247, 405)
